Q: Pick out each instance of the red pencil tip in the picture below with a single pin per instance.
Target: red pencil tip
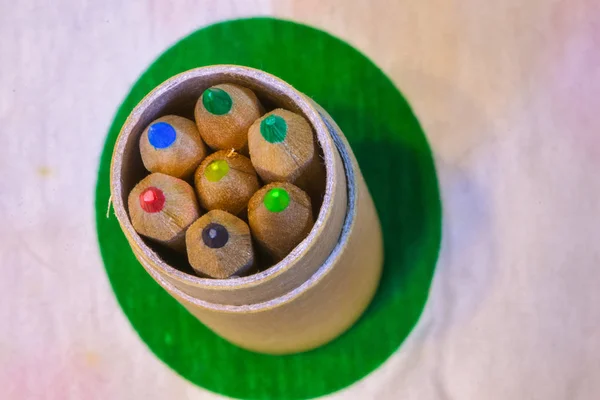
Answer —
(152, 200)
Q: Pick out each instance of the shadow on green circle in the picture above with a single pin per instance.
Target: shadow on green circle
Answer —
(397, 164)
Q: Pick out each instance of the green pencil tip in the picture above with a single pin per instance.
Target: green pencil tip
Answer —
(276, 200)
(217, 101)
(273, 129)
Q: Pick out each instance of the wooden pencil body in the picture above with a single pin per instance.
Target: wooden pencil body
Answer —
(279, 232)
(230, 190)
(316, 292)
(291, 153)
(228, 130)
(181, 157)
(171, 209)
(226, 251)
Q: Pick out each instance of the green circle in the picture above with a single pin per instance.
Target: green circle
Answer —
(216, 170)
(216, 101)
(273, 129)
(397, 164)
(276, 200)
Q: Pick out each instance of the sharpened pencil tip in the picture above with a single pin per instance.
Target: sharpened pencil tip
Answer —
(276, 200)
(152, 200)
(217, 101)
(273, 129)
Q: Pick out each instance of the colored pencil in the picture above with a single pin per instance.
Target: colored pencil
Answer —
(172, 145)
(219, 245)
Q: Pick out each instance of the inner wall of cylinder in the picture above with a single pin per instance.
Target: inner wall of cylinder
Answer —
(181, 100)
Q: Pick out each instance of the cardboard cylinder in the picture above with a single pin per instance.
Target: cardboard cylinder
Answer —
(315, 293)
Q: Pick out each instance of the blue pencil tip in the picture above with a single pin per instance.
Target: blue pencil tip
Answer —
(161, 135)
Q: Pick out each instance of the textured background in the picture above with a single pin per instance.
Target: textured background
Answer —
(506, 93)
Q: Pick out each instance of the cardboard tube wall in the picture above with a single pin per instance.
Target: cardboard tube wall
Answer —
(323, 286)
